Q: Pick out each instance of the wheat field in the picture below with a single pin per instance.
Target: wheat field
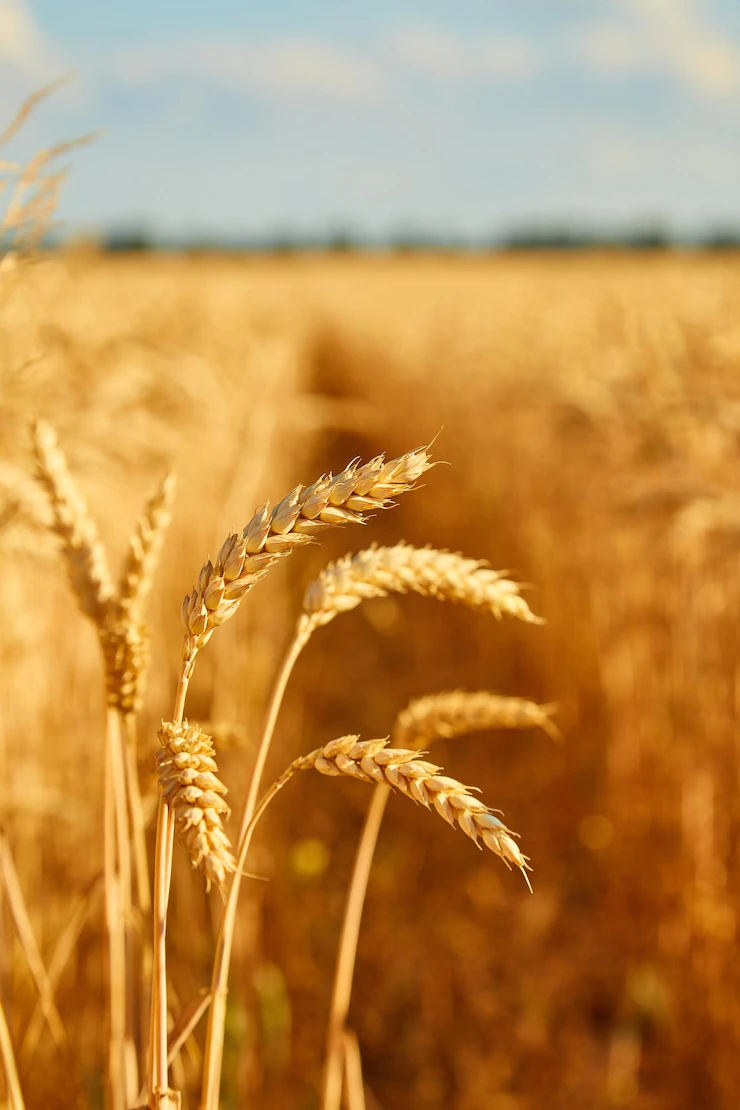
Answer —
(588, 408)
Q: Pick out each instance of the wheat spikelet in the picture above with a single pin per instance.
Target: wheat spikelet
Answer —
(272, 534)
(83, 551)
(144, 548)
(403, 770)
(190, 786)
(458, 712)
(378, 571)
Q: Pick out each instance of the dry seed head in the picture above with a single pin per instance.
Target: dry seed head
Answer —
(272, 533)
(144, 549)
(379, 571)
(404, 771)
(190, 785)
(75, 527)
(457, 712)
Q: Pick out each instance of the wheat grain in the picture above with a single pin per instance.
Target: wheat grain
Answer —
(403, 770)
(272, 534)
(190, 786)
(378, 571)
(457, 712)
(83, 551)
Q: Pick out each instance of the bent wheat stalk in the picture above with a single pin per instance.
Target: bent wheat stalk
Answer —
(271, 535)
(401, 770)
(444, 715)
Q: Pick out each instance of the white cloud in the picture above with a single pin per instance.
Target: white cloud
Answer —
(23, 48)
(663, 36)
(443, 54)
(287, 68)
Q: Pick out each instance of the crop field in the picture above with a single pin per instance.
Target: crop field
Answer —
(587, 413)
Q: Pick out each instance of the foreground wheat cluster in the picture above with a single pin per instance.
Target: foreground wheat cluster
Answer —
(192, 810)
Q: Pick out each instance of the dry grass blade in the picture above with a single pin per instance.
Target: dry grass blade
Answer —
(191, 788)
(457, 713)
(27, 107)
(22, 922)
(15, 1094)
(273, 533)
(443, 575)
(83, 551)
(144, 549)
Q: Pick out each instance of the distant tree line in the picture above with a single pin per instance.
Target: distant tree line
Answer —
(554, 237)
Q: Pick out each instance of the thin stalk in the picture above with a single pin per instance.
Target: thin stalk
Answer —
(114, 926)
(331, 1093)
(354, 1088)
(214, 1050)
(136, 816)
(7, 1056)
(158, 1070)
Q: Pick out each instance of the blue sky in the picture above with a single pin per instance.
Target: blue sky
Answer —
(468, 118)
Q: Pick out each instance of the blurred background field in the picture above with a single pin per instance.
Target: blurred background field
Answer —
(589, 409)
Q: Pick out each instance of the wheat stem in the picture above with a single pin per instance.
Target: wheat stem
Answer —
(114, 927)
(331, 1093)
(158, 1071)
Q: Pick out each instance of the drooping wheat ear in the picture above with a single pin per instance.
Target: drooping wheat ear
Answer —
(272, 534)
(191, 787)
(404, 771)
(86, 562)
(378, 571)
(144, 549)
(457, 713)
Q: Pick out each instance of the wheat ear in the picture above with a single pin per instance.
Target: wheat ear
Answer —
(402, 569)
(457, 713)
(83, 551)
(445, 715)
(144, 549)
(272, 533)
(191, 787)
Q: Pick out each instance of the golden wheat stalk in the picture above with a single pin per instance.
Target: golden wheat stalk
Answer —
(444, 575)
(401, 770)
(271, 535)
(117, 615)
(444, 715)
